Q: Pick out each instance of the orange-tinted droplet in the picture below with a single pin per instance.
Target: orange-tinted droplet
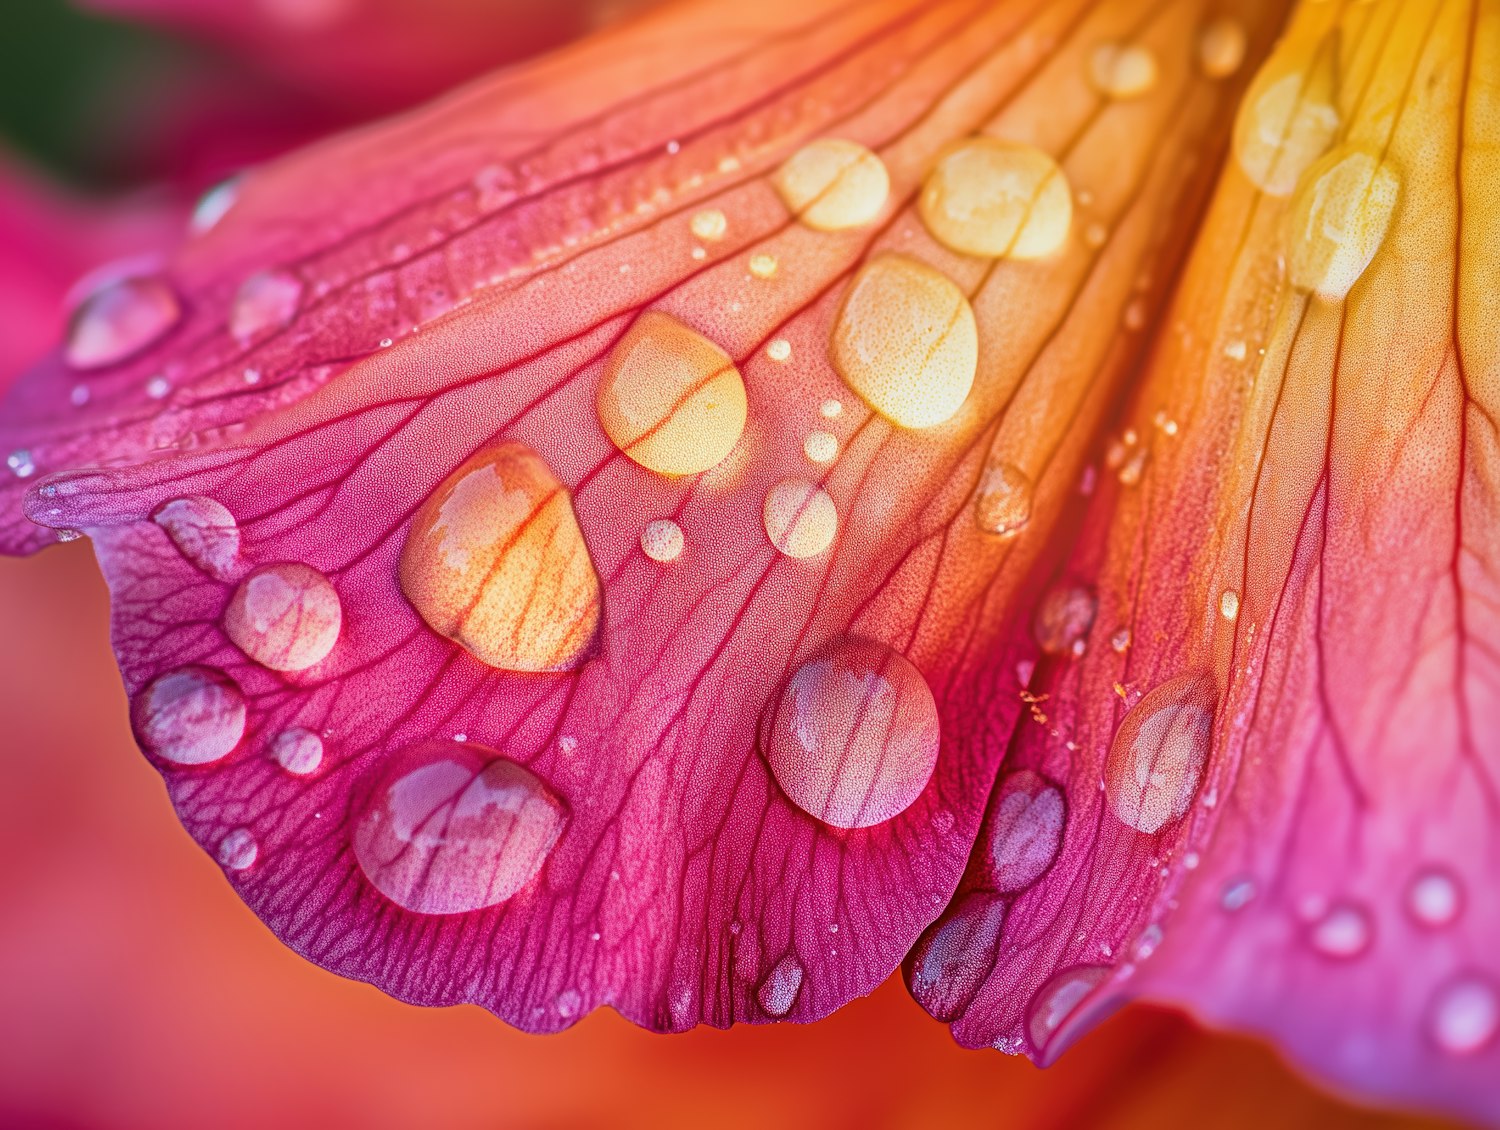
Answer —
(800, 518)
(1002, 502)
(284, 616)
(997, 198)
(1157, 759)
(1338, 220)
(832, 184)
(1288, 118)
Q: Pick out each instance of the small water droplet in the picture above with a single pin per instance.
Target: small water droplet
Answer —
(778, 992)
(285, 616)
(855, 736)
(1287, 119)
(1221, 47)
(495, 561)
(1023, 830)
(1160, 751)
(800, 518)
(779, 349)
(698, 254)
(955, 955)
(709, 224)
(670, 399)
(119, 320)
(1235, 350)
(1002, 503)
(21, 465)
(1191, 860)
(1120, 641)
(905, 341)
(1145, 945)
(158, 387)
(942, 822)
(447, 828)
(1122, 70)
(1229, 604)
(569, 1001)
(662, 540)
(238, 850)
(79, 396)
(1434, 897)
(265, 301)
(831, 184)
(1237, 894)
(386, 342)
(69, 535)
(763, 266)
(1135, 315)
(1063, 618)
(1059, 1000)
(213, 204)
(1465, 1014)
(994, 198)
(830, 409)
(298, 751)
(190, 716)
(1343, 931)
(567, 745)
(204, 532)
(1095, 235)
(1338, 221)
(821, 447)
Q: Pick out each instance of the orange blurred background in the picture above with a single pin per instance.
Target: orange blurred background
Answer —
(137, 991)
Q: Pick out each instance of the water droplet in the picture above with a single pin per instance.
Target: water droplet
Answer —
(449, 828)
(1235, 350)
(495, 561)
(1237, 894)
(284, 616)
(265, 301)
(79, 396)
(1434, 897)
(831, 184)
(158, 387)
(1002, 504)
(956, 954)
(1160, 751)
(709, 224)
(763, 266)
(1287, 120)
(821, 447)
(855, 736)
(238, 850)
(662, 540)
(204, 532)
(190, 716)
(1342, 931)
(1059, 1000)
(298, 751)
(1063, 618)
(778, 992)
(698, 253)
(1191, 860)
(1122, 70)
(801, 519)
(1095, 235)
(831, 409)
(1465, 1014)
(1338, 221)
(1146, 944)
(671, 399)
(569, 1001)
(69, 535)
(213, 205)
(905, 341)
(1023, 830)
(1221, 47)
(1229, 604)
(119, 320)
(997, 198)
(21, 465)
(1120, 641)
(779, 349)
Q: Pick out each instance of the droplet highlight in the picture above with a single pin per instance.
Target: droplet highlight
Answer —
(832, 184)
(800, 518)
(996, 198)
(1002, 503)
(662, 540)
(119, 320)
(1122, 70)
(778, 991)
(285, 616)
(204, 532)
(1338, 220)
(1157, 759)
(298, 751)
(1288, 119)
(1434, 897)
(190, 716)
(265, 301)
(1023, 830)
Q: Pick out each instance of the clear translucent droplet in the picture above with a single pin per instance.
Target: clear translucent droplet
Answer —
(213, 205)
(832, 184)
(190, 716)
(777, 993)
(1464, 1016)
(1158, 756)
(763, 266)
(800, 518)
(1023, 830)
(1343, 931)
(1002, 504)
(204, 532)
(821, 447)
(1063, 618)
(662, 540)
(298, 751)
(119, 320)
(1058, 1001)
(996, 198)
(1288, 118)
(569, 1001)
(285, 616)
(1434, 897)
(238, 850)
(1338, 221)
(778, 349)
(265, 301)
(1221, 47)
(1229, 604)
(1122, 70)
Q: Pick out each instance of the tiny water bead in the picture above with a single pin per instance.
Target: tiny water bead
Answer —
(1287, 120)
(821, 447)
(800, 518)
(158, 387)
(995, 198)
(204, 532)
(1237, 894)
(1002, 503)
(777, 993)
(1338, 220)
(451, 827)
(670, 399)
(1122, 70)
(495, 561)
(778, 349)
(763, 266)
(709, 224)
(284, 616)
(190, 716)
(213, 205)
(265, 301)
(1434, 897)
(1158, 756)
(238, 850)
(906, 342)
(830, 410)
(832, 184)
(955, 955)
(1221, 47)
(119, 320)
(298, 751)
(1342, 931)
(1062, 619)
(1059, 999)
(854, 739)
(1464, 1016)
(1023, 830)
(662, 540)
(1229, 604)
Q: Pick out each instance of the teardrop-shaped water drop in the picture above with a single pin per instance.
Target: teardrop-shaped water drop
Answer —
(831, 184)
(119, 320)
(955, 955)
(204, 532)
(495, 561)
(1056, 1002)
(778, 991)
(1023, 830)
(855, 735)
(997, 198)
(284, 616)
(1464, 1016)
(298, 751)
(265, 301)
(800, 517)
(190, 716)
(449, 827)
(1159, 753)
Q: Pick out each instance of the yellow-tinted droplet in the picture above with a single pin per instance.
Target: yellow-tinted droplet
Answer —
(992, 198)
(831, 184)
(1338, 221)
(495, 561)
(662, 540)
(1160, 751)
(821, 447)
(1221, 47)
(1122, 70)
(1229, 604)
(709, 224)
(906, 342)
(830, 409)
(800, 517)
(763, 266)
(671, 399)
(1002, 504)
(1288, 119)
(285, 616)
(779, 349)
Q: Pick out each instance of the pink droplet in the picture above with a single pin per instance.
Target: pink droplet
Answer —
(265, 301)
(284, 616)
(956, 954)
(1024, 829)
(190, 716)
(119, 320)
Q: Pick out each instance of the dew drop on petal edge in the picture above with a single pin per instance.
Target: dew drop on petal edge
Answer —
(495, 561)
(832, 184)
(119, 320)
(800, 517)
(1023, 830)
(265, 301)
(238, 850)
(298, 751)
(1158, 756)
(777, 993)
(1058, 1000)
(996, 198)
(204, 532)
(285, 616)
(450, 827)
(190, 716)
(854, 739)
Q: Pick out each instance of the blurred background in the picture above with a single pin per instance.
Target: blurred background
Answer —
(135, 989)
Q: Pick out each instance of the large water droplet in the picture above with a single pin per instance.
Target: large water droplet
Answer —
(1058, 1000)
(831, 184)
(285, 616)
(1434, 897)
(671, 399)
(1063, 618)
(956, 954)
(450, 827)
(778, 992)
(265, 301)
(190, 716)
(1122, 70)
(1343, 930)
(495, 561)
(204, 532)
(1287, 120)
(238, 850)
(1221, 47)
(1160, 751)
(992, 198)
(298, 751)
(905, 341)
(1465, 1014)
(800, 517)
(1023, 830)
(119, 320)
(1338, 221)
(1002, 504)
(855, 735)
